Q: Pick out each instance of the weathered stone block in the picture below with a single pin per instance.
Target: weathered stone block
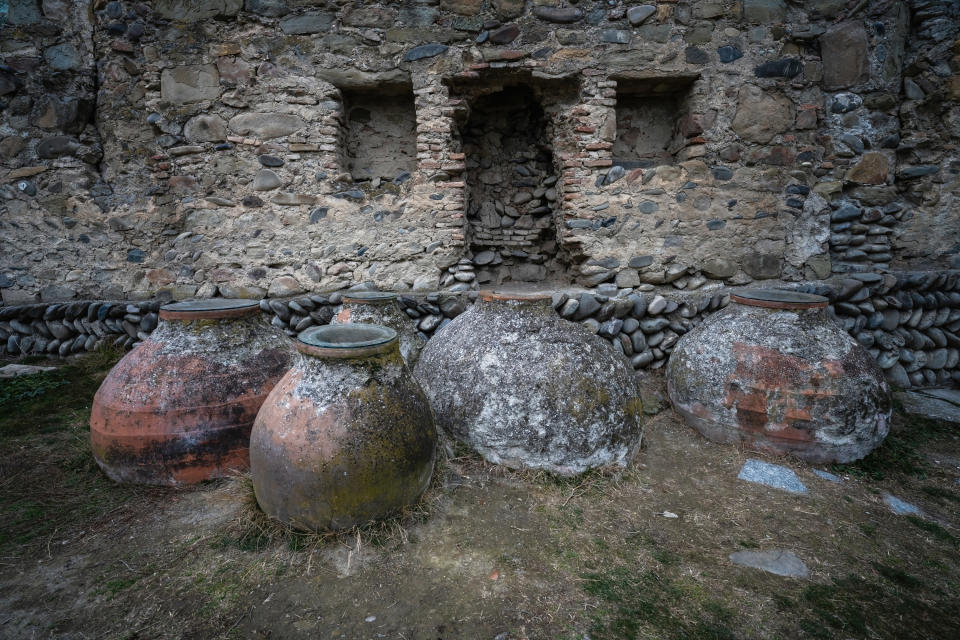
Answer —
(760, 115)
(190, 83)
(872, 169)
(844, 53)
(764, 11)
(266, 125)
(205, 128)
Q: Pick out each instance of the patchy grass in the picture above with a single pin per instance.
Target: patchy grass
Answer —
(488, 552)
(49, 481)
(900, 451)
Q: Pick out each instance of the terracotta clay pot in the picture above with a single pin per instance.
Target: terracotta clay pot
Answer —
(346, 436)
(525, 388)
(773, 372)
(179, 407)
(381, 307)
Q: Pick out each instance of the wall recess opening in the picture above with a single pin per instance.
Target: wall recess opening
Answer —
(380, 139)
(511, 176)
(649, 110)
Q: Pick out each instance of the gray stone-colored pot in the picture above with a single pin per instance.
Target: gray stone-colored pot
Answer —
(773, 372)
(527, 389)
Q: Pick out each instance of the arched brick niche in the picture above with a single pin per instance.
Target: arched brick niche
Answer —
(508, 133)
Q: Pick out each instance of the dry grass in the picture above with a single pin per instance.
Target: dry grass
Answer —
(489, 550)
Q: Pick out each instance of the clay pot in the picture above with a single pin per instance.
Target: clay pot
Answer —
(346, 436)
(381, 307)
(774, 373)
(525, 388)
(179, 407)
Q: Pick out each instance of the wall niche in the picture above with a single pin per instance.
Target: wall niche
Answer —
(380, 139)
(648, 112)
(512, 191)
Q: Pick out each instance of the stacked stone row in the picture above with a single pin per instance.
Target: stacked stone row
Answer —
(73, 327)
(860, 237)
(645, 329)
(910, 323)
(460, 276)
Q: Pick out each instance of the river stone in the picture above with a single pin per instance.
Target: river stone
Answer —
(527, 389)
(266, 180)
(205, 128)
(771, 475)
(425, 51)
(637, 15)
(559, 15)
(266, 125)
(776, 561)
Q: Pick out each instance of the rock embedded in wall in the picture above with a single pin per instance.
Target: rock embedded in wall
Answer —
(190, 83)
(760, 115)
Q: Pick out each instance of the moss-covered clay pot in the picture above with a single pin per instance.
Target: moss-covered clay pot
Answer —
(773, 372)
(346, 436)
(179, 407)
(525, 388)
(381, 307)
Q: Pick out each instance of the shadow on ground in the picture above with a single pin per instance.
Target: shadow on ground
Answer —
(489, 553)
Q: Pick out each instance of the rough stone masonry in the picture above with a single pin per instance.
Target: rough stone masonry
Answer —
(274, 148)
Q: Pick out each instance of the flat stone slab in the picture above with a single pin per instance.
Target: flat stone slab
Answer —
(900, 507)
(939, 404)
(776, 561)
(772, 475)
(826, 475)
(17, 370)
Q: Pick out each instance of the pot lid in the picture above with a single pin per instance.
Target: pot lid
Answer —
(779, 299)
(348, 340)
(212, 308)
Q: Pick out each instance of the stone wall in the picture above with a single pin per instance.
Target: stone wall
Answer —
(909, 322)
(208, 148)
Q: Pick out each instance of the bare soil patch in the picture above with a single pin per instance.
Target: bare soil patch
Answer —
(489, 553)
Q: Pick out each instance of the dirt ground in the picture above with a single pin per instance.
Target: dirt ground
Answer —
(489, 553)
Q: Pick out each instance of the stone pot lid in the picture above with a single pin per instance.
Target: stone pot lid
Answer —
(212, 309)
(518, 296)
(369, 297)
(779, 299)
(348, 340)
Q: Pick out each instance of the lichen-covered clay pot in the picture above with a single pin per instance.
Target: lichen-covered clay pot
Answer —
(179, 407)
(346, 436)
(525, 388)
(381, 307)
(773, 372)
